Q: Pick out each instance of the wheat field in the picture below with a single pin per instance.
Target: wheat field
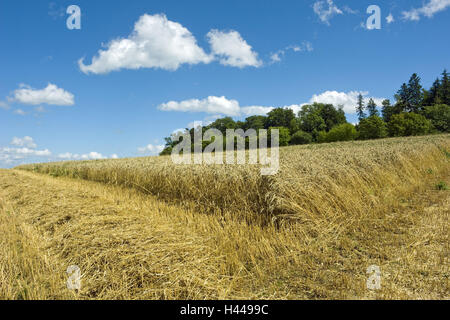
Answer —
(146, 228)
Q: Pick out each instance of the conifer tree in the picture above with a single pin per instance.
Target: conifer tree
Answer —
(444, 92)
(415, 94)
(360, 108)
(372, 108)
(431, 97)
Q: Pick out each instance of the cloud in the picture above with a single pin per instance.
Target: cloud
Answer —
(306, 46)
(51, 95)
(23, 149)
(223, 106)
(212, 105)
(88, 156)
(347, 100)
(295, 107)
(24, 142)
(232, 50)
(114, 156)
(39, 109)
(156, 42)
(56, 11)
(4, 105)
(255, 110)
(429, 10)
(151, 149)
(390, 18)
(20, 112)
(349, 10)
(22, 152)
(326, 13)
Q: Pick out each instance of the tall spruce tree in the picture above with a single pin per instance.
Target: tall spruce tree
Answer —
(402, 97)
(415, 94)
(431, 97)
(444, 92)
(387, 110)
(372, 108)
(360, 108)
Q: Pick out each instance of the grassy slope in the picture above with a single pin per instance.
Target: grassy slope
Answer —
(131, 245)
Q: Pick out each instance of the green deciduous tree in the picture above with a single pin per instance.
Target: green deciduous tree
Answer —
(342, 132)
(254, 122)
(284, 136)
(223, 124)
(301, 137)
(408, 124)
(319, 116)
(372, 128)
(439, 115)
(279, 117)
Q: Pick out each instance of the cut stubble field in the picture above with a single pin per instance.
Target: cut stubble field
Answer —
(145, 228)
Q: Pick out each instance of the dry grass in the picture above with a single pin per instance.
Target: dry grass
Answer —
(332, 211)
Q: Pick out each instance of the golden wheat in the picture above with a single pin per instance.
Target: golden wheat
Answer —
(332, 211)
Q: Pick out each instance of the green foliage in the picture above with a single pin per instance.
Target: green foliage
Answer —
(342, 132)
(279, 117)
(284, 136)
(254, 122)
(432, 96)
(408, 124)
(444, 89)
(223, 124)
(415, 94)
(301, 137)
(166, 152)
(372, 128)
(320, 117)
(439, 114)
(331, 115)
(442, 186)
(311, 121)
(389, 110)
(372, 108)
(295, 126)
(417, 111)
(360, 107)
(321, 137)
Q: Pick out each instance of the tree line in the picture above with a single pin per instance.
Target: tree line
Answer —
(416, 111)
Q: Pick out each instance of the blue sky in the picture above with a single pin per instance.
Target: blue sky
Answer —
(165, 64)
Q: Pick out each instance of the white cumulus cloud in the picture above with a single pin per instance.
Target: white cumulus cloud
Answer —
(212, 105)
(346, 99)
(23, 150)
(255, 110)
(24, 142)
(4, 105)
(151, 149)
(219, 106)
(232, 49)
(428, 10)
(20, 112)
(88, 156)
(51, 95)
(156, 42)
